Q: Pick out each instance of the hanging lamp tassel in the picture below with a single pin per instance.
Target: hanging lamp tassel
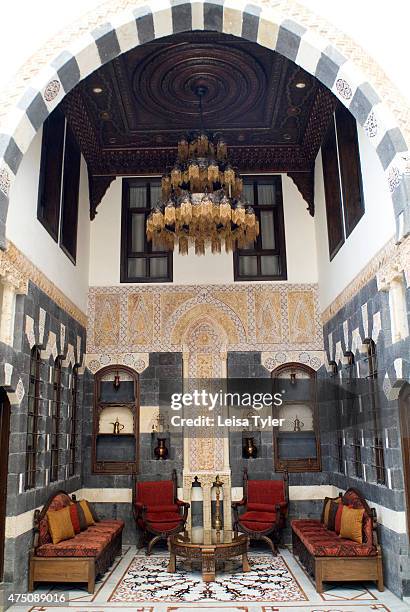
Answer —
(183, 245)
(169, 214)
(225, 211)
(157, 219)
(199, 246)
(176, 177)
(216, 244)
(186, 211)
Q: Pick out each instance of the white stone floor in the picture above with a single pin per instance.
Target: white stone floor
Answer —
(337, 598)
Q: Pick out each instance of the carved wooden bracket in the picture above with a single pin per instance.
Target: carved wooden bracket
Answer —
(97, 186)
(305, 182)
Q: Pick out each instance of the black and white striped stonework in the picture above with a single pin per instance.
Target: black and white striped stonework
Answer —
(254, 22)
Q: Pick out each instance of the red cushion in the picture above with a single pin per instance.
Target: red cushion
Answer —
(266, 492)
(165, 508)
(163, 517)
(75, 519)
(338, 518)
(163, 527)
(259, 517)
(255, 526)
(158, 493)
(261, 507)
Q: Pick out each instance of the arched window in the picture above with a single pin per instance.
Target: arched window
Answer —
(34, 396)
(55, 420)
(352, 414)
(73, 419)
(336, 418)
(377, 439)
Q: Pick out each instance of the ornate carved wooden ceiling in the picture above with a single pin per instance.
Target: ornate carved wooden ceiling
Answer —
(129, 114)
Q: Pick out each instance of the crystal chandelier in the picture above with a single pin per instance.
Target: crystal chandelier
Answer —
(202, 200)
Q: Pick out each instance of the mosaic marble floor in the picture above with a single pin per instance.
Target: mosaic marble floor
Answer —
(141, 584)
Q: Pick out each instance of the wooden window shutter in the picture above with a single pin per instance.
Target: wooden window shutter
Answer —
(334, 213)
(349, 160)
(49, 194)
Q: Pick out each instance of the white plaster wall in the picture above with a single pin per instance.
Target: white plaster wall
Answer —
(28, 234)
(372, 232)
(105, 245)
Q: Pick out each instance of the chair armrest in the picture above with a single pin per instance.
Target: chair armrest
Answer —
(235, 507)
(237, 504)
(181, 503)
(185, 505)
(281, 510)
(138, 510)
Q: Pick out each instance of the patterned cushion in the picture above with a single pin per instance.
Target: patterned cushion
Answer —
(322, 542)
(69, 548)
(109, 528)
(59, 501)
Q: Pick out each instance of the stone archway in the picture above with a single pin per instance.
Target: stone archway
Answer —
(280, 25)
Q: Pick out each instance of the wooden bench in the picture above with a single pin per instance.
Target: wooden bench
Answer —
(79, 559)
(327, 557)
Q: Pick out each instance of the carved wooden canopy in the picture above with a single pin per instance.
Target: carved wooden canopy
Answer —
(129, 114)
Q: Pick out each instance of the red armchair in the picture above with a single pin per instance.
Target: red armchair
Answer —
(157, 512)
(266, 505)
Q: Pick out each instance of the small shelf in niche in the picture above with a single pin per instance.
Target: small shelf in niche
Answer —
(115, 413)
(115, 421)
(113, 435)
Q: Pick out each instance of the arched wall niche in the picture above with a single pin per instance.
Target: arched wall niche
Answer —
(282, 25)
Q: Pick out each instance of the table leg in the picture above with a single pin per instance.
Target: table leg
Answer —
(208, 566)
(245, 563)
(172, 564)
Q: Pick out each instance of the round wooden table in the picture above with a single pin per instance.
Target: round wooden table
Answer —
(208, 554)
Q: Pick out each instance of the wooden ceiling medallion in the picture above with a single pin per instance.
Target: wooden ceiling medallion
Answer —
(129, 114)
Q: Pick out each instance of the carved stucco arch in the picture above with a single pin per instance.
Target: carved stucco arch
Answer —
(221, 315)
(294, 31)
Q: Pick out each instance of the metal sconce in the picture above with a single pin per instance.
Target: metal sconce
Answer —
(117, 382)
(332, 368)
(293, 378)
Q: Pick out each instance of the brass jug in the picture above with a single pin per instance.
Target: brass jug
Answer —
(118, 427)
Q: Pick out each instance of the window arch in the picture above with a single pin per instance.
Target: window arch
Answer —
(73, 419)
(34, 396)
(296, 443)
(55, 420)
